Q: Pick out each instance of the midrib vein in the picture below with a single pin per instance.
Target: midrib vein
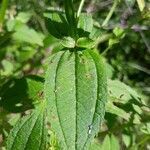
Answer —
(76, 96)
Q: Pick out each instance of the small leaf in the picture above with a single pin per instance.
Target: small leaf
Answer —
(126, 139)
(26, 34)
(24, 17)
(119, 32)
(110, 143)
(85, 43)
(7, 68)
(113, 41)
(146, 128)
(121, 93)
(26, 53)
(141, 4)
(96, 145)
(96, 33)
(56, 24)
(137, 109)
(136, 119)
(29, 133)
(117, 111)
(68, 42)
(110, 71)
(106, 143)
(85, 22)
(114, 143)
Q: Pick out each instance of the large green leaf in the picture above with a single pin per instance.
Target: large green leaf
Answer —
(30, 132)
(75, 91)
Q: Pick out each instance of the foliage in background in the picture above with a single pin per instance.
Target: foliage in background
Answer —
(25, 43)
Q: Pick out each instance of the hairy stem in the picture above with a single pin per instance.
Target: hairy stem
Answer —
(80, 7)
(110, 13)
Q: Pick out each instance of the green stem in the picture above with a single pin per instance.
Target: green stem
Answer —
(3, 11)
(104, 38)
(110, 13)
(80, 7)
(144, 140)
(105, 51)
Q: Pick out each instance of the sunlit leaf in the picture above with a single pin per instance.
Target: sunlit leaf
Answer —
(75, 91)
(68, 42)
(141, 4)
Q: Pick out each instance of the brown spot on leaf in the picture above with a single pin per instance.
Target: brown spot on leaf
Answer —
(40, 94)
(121, 95)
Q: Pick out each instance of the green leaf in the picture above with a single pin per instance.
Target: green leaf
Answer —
(85, 43)
(110, 70)
(24, 17)
(111, 108)
(68, 42)
(75, 90)
(56, 24)
(110, 143)
(69, 10)
(96, 33)
(114, 143)
(29, 133)
(119, 32)
(26, 34)
(126, 139)
(96, 145)
(71, 17)
(121, 93)
(7, 68)
(113, 41)
(136, 119)
(141, 4)
(4, 38)
(85, 22)
(26, 53)
(146, 128)
(137, 109)
(18, 95)
(106, 143)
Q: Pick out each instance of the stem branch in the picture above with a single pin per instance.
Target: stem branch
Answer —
(110, 13)
(80, 7)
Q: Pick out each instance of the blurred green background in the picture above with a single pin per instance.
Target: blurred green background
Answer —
(25, 44)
